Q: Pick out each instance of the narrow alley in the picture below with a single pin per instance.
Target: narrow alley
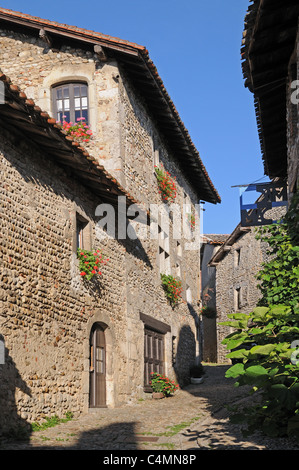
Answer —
(195, 418)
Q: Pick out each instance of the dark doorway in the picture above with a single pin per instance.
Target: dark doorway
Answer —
(97, 394)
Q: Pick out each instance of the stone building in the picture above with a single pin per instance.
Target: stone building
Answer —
(270, 55)
(236, 264)
(211, 243)
(73, 344)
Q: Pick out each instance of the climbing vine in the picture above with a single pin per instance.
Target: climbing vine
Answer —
(264, 342)
(279, 278)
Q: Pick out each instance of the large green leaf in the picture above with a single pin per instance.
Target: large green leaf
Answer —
(238, 324)
(263, 350)
(238, 354)
(260, 311)
(278, 310)
(238, 316)
(256, 370)
(234, 343)
(256, 375)
(236, 335)
(235, 371)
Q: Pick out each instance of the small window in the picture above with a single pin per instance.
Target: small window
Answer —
(179, 249)
(156, 152)
(70, 102)
(188, 294)
(238, 299)
(2, 350)
(82, 233)
(237, 256)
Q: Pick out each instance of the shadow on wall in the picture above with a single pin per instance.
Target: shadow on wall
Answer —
(10, 422)
(185, 356)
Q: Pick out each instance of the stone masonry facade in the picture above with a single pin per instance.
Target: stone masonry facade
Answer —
(240, 259)
(236, 284)
(293, 119)
(47, 311)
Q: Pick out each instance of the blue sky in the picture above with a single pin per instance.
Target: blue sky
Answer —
(195, 46)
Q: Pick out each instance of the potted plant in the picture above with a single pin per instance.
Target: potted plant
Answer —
(162, 386)
(172, 287)
(208, 312)
(90, 263)
(78, 131)
(196, 374)
(167, 186)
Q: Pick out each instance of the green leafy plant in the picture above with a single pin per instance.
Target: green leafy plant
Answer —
(192, 220)
(279, 278)
(262, 343)
(167, 186)
(172, 287)
(160, 383)
(90, 263)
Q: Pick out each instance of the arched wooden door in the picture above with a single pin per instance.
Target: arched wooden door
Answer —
(97, 394)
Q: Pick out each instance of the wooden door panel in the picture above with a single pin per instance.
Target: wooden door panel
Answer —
(153, 355)
(98, 368)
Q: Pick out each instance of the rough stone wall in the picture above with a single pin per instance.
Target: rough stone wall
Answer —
(46, 310)
(293, 122)
(138, 135)
(209, 343)
(45, 306)
(232, 275)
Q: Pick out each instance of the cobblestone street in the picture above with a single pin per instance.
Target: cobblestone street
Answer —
(193, 419)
